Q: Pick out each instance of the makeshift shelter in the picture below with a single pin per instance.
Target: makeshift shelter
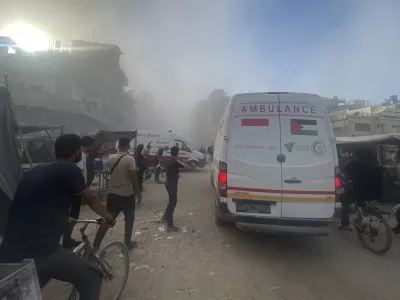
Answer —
(385, 147)
(10, 163)
(104, 137)
(108, 139)
(27, 129)
(36, 148)
(379, 139)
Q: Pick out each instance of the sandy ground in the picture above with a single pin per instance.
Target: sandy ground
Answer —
(206, 262)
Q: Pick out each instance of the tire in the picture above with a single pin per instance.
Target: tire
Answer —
(193, 165)
(217, 220)
(125, 253)
(74, 295)
(388, 235)
(147, 175)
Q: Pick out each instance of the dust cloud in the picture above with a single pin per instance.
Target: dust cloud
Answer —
(181, 50)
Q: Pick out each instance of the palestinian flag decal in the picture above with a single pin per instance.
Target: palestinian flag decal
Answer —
(303, 127)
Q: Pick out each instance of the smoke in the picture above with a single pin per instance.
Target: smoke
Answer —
(181, 50)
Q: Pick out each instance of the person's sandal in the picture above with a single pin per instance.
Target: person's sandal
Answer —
(173, 229)
(396, 231)
(131, 245)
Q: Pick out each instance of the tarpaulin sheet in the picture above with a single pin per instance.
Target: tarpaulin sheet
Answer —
(10, 163)
(26, 129)
(103, 137)
(378, 139)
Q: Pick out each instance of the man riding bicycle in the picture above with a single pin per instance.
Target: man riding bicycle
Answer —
(39, 216)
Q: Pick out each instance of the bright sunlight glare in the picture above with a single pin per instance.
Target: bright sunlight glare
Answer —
(28, 37)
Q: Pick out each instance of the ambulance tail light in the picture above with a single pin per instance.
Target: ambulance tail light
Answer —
(338, 184)
(222, 179)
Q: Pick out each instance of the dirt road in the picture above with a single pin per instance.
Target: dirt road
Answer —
(205, 262)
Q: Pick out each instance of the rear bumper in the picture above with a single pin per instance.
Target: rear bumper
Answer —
(284, 225)
(277, 225)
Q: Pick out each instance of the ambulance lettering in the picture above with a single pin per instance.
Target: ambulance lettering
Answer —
(276, 108)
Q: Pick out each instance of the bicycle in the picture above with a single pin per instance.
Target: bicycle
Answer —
(97, 260)
(148, 173)
(362, 219)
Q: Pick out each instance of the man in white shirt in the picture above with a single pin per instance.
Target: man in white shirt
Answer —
(87, 142)
(82, 165)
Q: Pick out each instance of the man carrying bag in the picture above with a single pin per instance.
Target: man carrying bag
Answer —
(122, 189)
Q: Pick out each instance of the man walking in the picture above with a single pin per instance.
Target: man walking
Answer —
(123, 186)
(171, 184)
(141, 164)
(159, 155)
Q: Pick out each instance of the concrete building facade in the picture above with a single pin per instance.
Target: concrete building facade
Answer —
(84, 78)
(368, 120)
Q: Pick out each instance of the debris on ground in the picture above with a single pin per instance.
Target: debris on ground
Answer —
(161, 229)
(140, 267)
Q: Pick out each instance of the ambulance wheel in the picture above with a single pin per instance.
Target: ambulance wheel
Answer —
(218, 221)
(192, 165)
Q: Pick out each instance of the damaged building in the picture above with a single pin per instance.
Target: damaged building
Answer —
(79, 85)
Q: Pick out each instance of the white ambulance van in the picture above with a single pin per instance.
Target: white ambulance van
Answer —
(157, 140)
(275, 164)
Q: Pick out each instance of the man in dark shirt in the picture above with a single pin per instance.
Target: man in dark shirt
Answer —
(68, 242)
(39, 215)
(171, 184)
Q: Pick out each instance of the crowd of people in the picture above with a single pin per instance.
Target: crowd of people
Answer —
(49, 197)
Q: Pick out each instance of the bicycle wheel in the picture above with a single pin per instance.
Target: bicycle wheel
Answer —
(118, 252)
(147, 175)
(74, 295)
(368, 234)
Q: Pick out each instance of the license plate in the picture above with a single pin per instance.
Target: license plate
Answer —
(253, 208)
